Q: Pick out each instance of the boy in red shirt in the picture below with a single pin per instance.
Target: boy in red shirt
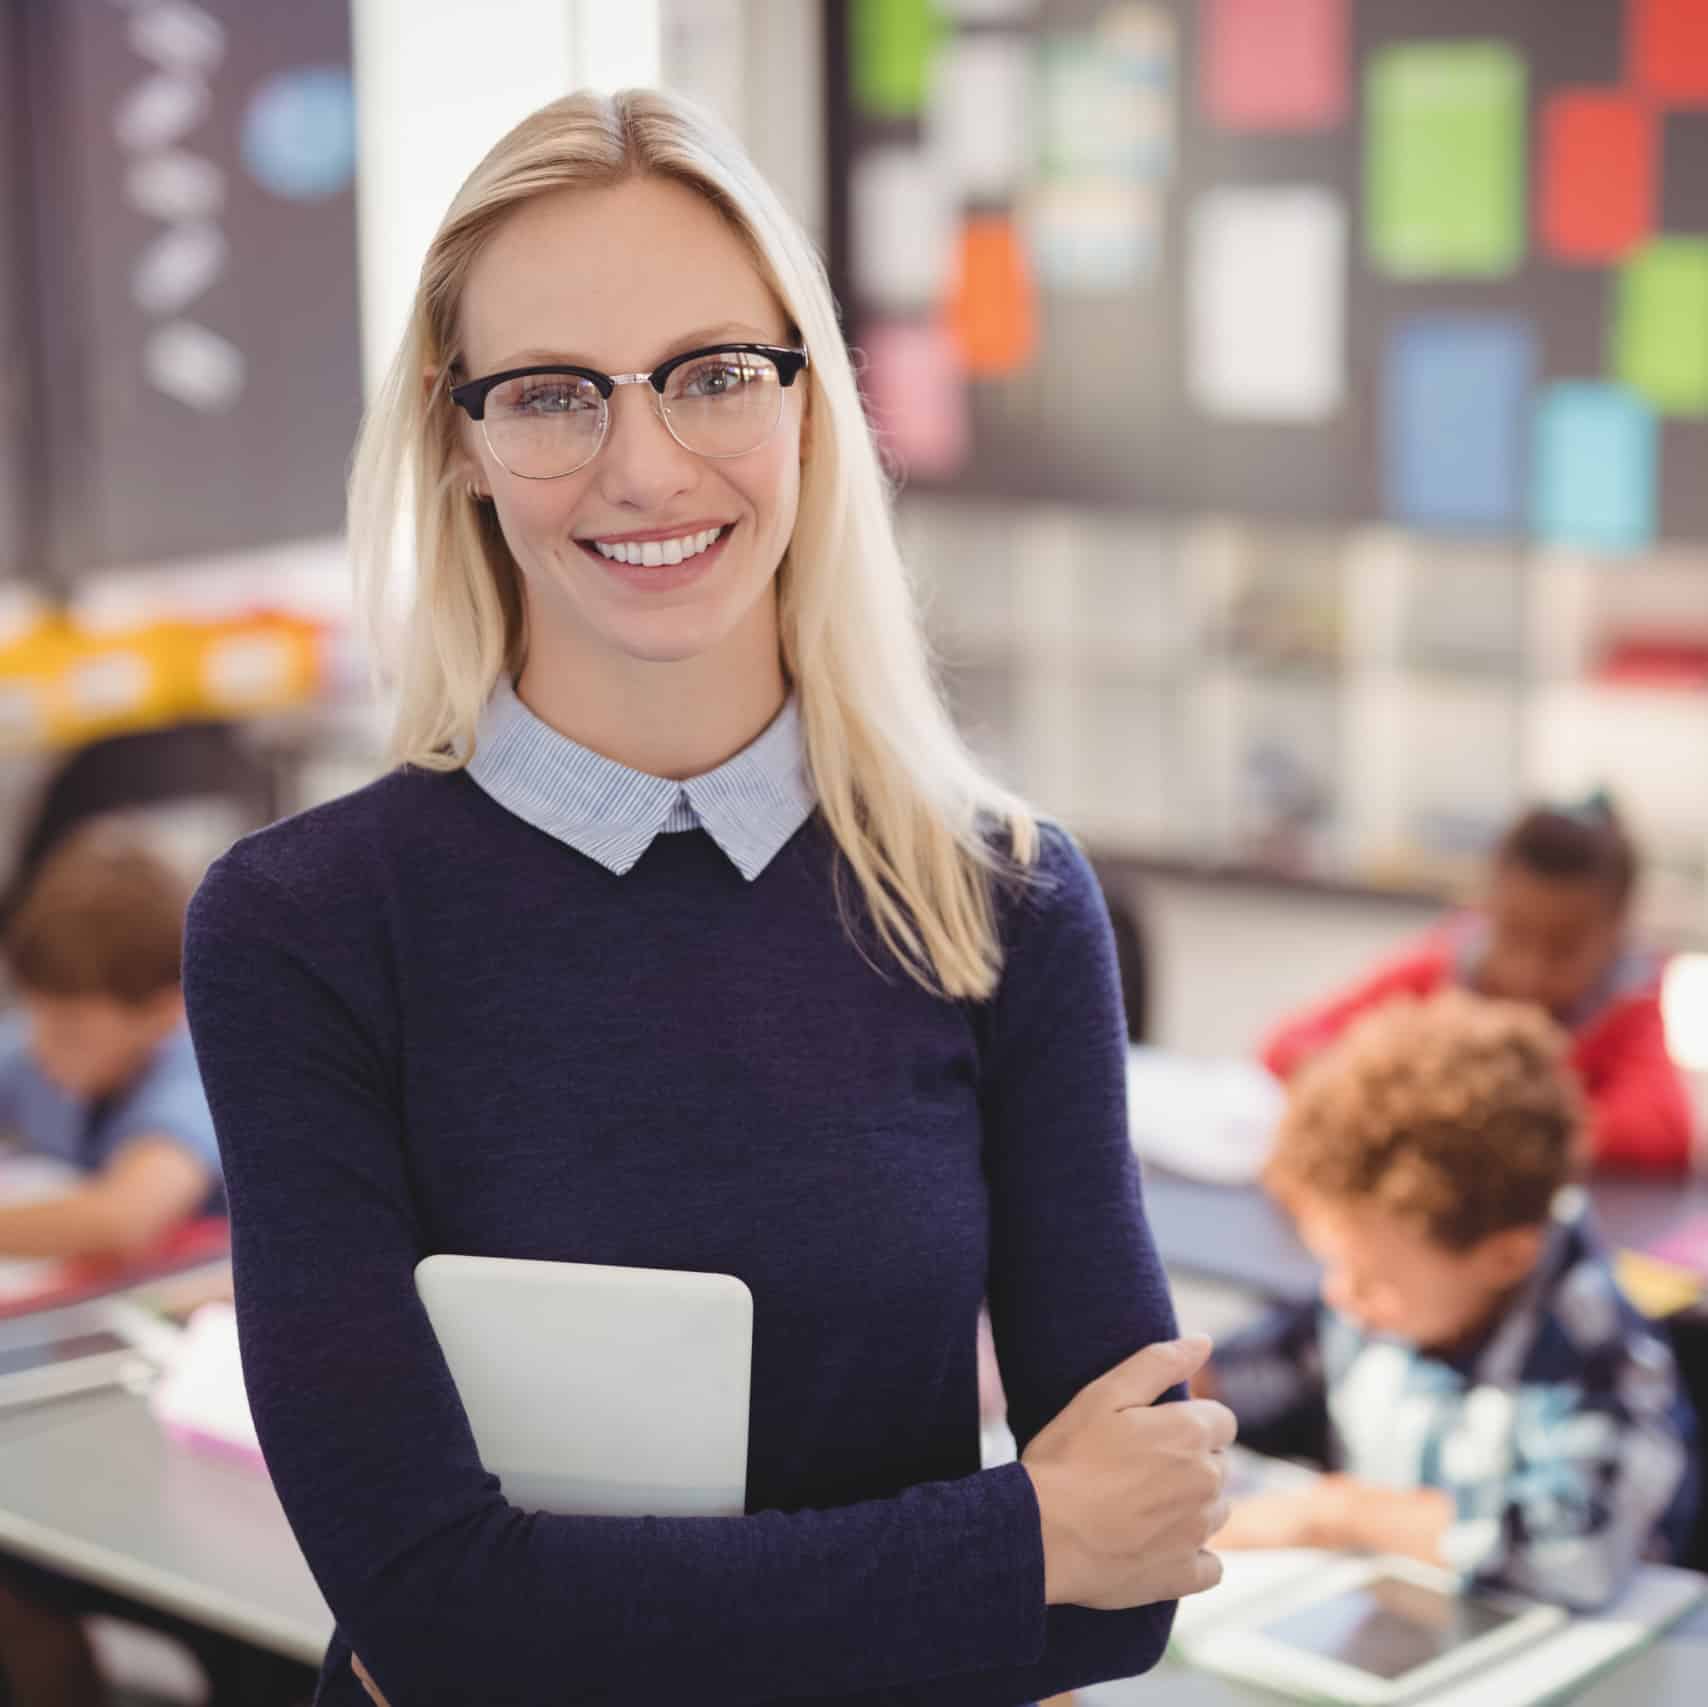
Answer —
(1553, 932)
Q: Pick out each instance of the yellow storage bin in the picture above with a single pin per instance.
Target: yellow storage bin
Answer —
(110, 682)
(32, 657)
(260, 662)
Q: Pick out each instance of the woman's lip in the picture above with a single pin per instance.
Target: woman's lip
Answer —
(640, 538)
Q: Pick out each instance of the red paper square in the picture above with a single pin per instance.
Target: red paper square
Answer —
(1273, 64)
(1669, 50)
(1599, 174)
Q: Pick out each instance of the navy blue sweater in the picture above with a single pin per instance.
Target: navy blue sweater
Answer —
(426, 1026)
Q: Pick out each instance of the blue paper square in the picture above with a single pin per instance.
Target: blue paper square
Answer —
(1596, 469)
(1456, 413)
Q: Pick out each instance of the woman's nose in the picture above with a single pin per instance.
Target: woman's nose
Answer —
(641, 466)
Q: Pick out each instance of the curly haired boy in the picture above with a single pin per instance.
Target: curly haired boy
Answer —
(1485, 1397)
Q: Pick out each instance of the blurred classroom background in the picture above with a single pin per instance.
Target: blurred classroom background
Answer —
(1300, 410)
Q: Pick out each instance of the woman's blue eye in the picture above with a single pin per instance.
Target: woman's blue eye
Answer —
(552, 399)
(719, 379)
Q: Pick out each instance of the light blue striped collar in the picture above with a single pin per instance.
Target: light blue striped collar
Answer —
(750, 805)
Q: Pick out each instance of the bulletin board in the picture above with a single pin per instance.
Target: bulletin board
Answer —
(1440, 263)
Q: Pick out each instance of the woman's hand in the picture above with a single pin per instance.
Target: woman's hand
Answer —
(367, 1682)
(1128, 1490)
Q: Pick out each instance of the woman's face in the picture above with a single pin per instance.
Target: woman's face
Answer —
(619, 279)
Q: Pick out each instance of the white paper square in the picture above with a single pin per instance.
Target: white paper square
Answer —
(1266, 303)
(979, 121)
(902, 229)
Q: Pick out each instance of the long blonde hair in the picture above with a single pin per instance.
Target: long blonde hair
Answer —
(923, 831)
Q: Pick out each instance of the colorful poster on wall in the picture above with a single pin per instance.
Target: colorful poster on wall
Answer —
(1273, 65)
(1669, 50)
(1107, 97)
(978, 124)
(1094, 238)
(916, 391)
(1596, 468)
(1266, 303)
(1598, 174)
(1660, 328)
(1444, 159)
(902, 227)
(993, 312)
(1456, 416)
(892, 44)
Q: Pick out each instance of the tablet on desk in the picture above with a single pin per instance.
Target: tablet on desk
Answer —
(55, 1353)
(1371, 1633)
(596, 1390)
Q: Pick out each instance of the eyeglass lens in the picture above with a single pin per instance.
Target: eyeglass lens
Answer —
(543, 425)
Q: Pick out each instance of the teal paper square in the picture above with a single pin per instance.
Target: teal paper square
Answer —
(1596, 473)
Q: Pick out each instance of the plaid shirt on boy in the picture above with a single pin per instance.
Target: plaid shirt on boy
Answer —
(1562, 1437)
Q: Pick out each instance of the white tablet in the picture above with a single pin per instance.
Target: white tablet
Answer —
(599, 1391)
(1369, 1632)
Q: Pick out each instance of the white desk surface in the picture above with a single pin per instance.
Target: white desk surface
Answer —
(92, 1487)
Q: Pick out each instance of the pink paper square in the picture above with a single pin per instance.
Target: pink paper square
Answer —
(916, 393)
(1273, 64)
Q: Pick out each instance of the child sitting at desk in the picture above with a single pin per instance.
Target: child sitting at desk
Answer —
(96, 1070)
(1488, 1399)
(1552, 931)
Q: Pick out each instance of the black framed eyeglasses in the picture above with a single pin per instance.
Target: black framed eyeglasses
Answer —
(542, 423)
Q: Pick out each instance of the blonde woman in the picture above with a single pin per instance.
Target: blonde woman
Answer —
(686, 935)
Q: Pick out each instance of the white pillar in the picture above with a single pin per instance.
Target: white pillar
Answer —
(616, 43)
(437, 83)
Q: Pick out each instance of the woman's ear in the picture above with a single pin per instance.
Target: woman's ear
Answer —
(465, 466)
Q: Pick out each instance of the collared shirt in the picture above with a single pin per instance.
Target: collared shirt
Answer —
(1562, 1436)
(750, 805)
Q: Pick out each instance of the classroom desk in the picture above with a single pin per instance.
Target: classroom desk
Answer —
(1237, 1235)
(91, 1487)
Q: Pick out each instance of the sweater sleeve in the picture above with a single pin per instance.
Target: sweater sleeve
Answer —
(1075, 1284)
(1640, 1113)
(450, 1593)
(1419, 972)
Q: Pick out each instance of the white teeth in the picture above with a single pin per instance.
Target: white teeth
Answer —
(655, 553)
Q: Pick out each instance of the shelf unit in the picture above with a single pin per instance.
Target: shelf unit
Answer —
(1356, 709)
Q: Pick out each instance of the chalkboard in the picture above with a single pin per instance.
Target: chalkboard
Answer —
(190, 299)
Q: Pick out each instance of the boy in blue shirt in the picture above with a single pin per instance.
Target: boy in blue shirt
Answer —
(96, 1069)
(1485, 1397)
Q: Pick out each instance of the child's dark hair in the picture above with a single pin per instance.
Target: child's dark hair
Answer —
(1574, 844)
(104, 917)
